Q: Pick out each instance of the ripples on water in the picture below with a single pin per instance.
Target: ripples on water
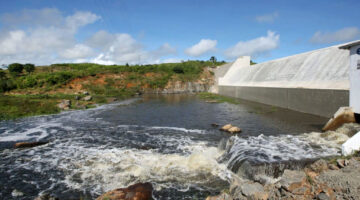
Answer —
(166, 140)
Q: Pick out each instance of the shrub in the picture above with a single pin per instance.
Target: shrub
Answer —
(178, 69)
(15, 68)
(29, 67)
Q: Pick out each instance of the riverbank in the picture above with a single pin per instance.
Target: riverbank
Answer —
(39, 92)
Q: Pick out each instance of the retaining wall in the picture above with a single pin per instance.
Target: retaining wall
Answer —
(322, 102)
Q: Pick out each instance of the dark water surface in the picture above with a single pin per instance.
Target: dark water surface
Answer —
(165, 140)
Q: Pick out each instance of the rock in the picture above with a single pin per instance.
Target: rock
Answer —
(28, 144)
(234, 129)
(322, 196)
(333, 167)
(87, 98)
(214, 125)
(226, 127)
(211, 101)
(111, 99)
(342, 116)
(46, 197)
(77, 98)
(295, 182)
(85, 93)
(222, 196)
(64, 105)
(139, 191)
(17, 193)
(254, 190)
(342, 163)
(319, 166)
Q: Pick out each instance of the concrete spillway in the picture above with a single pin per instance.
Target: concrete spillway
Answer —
(315, 82)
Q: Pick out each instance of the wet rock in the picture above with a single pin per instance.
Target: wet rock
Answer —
(234, 129)
(319, 166)
(254, 190)
(28, 144)
(295, 182)
(222, 196)
(17, 193)
(46, 197)
(87, 98)
(64, 105)
(226, 127)
(214, 125)
(342, 116)
(139, 191)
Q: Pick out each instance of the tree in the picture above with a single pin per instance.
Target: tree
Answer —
(213, 59)
(2, 74)
(29, 67)
(15, 68)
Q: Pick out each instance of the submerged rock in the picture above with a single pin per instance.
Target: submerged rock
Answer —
(17, 193)
(139, 191)
(28, 144)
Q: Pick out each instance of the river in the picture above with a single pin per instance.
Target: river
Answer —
(167, 140)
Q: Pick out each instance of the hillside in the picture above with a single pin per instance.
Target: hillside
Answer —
(39, 92)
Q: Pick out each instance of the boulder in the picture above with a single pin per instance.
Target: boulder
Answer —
(342, 116)
(28, 144)
(222, 196)
(64, 105)
(254, 190)
(77, 98)
(234, 129)
(333, 167)
(139, 191)
(85, 93)
(226, 127)
(342, 163)
(319, 166)
(295, 182)
(87, 98)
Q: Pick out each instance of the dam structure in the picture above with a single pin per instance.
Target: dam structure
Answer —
(315, 82)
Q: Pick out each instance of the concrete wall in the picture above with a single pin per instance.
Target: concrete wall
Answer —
(355, 79)
(322, 102)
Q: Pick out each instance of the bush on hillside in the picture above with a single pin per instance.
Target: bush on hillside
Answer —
(29, 67)
(15, 68)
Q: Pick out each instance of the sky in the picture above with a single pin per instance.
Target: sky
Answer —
(157, 31)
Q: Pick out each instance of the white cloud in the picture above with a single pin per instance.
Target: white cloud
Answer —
(122, 48)
(47, 36)
(254, 47)
(341, 35)
(268, 18)
(77, 52)
(204, 46)
(42, 36)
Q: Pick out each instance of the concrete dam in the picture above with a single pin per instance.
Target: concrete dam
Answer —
(315, 82)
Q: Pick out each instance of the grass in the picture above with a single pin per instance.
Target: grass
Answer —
(217, 98)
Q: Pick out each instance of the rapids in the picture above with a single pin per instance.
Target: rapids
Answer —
(165, 140)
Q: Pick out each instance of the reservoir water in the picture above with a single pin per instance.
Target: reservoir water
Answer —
(166, 140)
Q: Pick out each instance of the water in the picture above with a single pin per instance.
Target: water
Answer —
(165, 140)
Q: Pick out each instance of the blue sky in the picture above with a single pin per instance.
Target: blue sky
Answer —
(109, 31)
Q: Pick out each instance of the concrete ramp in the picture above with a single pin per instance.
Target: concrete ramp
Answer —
(315, 82)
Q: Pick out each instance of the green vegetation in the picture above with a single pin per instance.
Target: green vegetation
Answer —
(28, 90)
(210, 97)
